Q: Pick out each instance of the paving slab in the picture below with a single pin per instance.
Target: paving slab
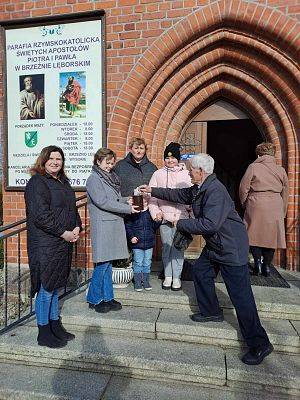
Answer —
(131, 321)
(280, 303)
(121, 388)
(37, 383)
(94, 352)
(289, 276)
(20, 382)
(277, 373)
(296, 325)
(180, 299)
(177, 325)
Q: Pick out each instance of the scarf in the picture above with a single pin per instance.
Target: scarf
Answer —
(111, 178)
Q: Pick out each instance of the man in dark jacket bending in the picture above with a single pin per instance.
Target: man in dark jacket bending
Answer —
(226, 247)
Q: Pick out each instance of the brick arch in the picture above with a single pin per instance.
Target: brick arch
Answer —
(176, 87)
(176, 70)
(201, 91)
(250, 19)
(243, 59)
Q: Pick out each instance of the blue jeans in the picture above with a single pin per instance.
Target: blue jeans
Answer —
(46, 306)
(101, 288)
(142, 260)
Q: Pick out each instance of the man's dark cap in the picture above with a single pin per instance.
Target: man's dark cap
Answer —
(172, 150)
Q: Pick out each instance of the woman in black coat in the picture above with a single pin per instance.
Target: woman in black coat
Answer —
(53, 225)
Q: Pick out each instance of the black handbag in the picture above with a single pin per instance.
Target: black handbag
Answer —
(182, 241)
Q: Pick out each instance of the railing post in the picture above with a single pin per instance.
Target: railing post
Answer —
(5, 283)
(19, 275)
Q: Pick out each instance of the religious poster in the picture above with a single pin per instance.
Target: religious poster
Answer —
(54, 96)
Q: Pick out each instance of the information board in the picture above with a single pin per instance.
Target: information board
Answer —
(54, 96)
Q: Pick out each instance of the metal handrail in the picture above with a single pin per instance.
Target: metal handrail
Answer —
(10, 226)
(8, 318)
(7, 235)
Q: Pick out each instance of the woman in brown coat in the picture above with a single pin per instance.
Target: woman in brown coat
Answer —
(264, 195)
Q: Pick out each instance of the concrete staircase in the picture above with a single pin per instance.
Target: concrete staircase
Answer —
(159, 352)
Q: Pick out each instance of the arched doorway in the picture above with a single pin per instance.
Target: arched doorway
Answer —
(229, 136)
(219, 52)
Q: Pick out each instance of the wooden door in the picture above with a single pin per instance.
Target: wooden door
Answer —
(193, 141)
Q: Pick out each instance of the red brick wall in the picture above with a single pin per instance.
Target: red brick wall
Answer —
(155, 82)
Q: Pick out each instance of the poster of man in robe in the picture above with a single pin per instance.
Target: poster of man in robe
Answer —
(72, 102)
(32, 102)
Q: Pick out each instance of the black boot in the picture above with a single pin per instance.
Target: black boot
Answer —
(102, 307)
(256, 355)
(47, 338)
(257, 267)
(265, 270)
(146, 282)
(59, 331)
(114, 305)
(138, 287)
(161, 275)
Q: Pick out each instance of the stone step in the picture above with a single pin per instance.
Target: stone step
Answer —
(177, 325)
(123, 388)
(173, 325)
(95, 352)
(277, 373)
(278, 303)
(20, 382)
(154, 360)
(130, 321)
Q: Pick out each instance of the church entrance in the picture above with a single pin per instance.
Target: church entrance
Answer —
(232, 145)
(230, 137)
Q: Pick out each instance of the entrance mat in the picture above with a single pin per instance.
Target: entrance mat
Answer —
(274, 280)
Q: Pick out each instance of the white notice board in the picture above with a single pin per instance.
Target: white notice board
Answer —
(54, 95)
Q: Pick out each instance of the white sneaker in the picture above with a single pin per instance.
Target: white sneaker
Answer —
(176, 285)
(167, 283)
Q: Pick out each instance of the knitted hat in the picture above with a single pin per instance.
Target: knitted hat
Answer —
(172, 150)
